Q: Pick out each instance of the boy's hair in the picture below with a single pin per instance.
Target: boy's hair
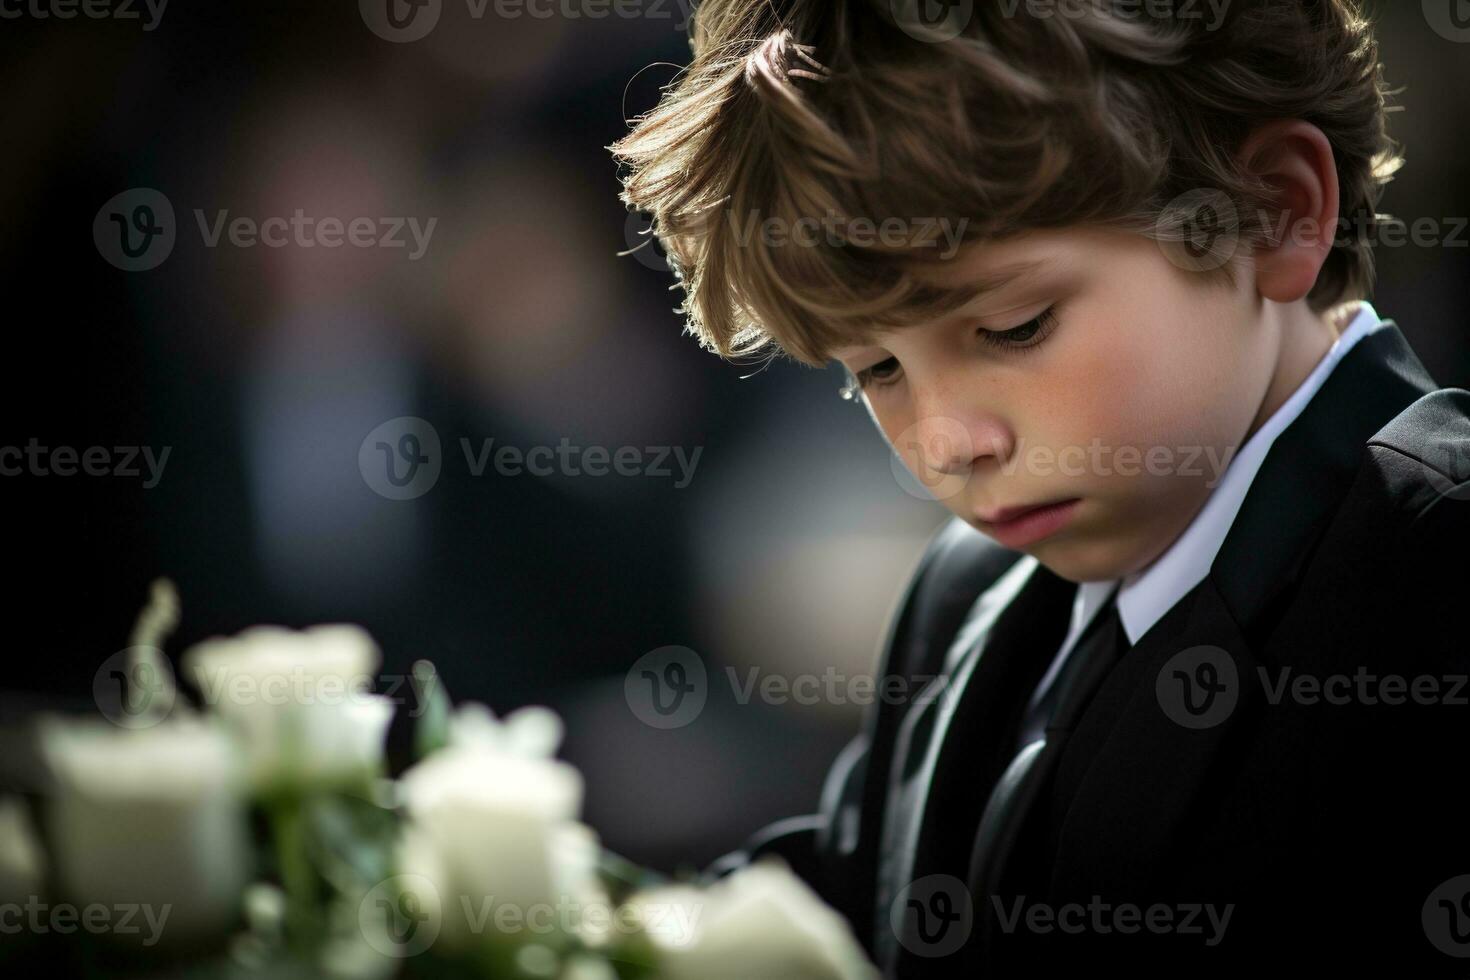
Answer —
(1035, 114)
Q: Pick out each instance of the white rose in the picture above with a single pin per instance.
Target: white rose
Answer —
(152, 818)
(299, 699)
(492, 825)
(759, 921)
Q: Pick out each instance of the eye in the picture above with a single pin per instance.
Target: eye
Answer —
(1029, 334)
(880, 375)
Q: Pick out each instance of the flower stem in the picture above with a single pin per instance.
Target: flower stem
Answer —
(288, 827)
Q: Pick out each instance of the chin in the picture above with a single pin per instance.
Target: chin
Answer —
(1078, 561)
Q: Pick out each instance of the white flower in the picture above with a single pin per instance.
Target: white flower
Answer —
(493, 826)
(299, 699)
(21, 860)
(759, 921)
(152, 818)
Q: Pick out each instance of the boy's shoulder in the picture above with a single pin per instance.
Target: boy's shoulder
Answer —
(1414, 507)
(1422, 456)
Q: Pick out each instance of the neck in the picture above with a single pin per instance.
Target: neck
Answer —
(1305, 338)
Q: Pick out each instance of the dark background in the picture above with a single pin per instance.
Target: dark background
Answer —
(262, 370)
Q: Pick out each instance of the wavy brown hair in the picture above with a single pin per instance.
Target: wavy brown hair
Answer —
(1094, 114)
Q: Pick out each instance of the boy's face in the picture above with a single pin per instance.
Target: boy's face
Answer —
(1126, 401)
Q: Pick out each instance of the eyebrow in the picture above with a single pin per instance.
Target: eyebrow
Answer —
(1003, 276)
(991, 282)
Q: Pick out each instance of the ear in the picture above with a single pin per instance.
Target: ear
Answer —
(1295, 158)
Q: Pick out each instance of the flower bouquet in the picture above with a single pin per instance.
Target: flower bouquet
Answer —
(252, 831)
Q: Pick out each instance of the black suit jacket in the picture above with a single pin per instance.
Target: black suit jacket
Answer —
(1287, 746)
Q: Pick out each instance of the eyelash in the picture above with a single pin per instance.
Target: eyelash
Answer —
(1040, 326)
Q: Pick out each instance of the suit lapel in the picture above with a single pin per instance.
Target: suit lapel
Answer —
(1157, 725)
(953, 747)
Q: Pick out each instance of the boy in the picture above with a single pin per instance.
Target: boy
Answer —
(1200, 681)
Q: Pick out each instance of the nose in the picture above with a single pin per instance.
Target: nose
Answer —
(954, 431)
(950, 435)
(941, 444)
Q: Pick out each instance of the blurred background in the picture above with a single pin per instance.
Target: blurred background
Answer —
(248, 396)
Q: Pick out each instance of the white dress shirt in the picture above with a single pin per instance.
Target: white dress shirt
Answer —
(1144, 597)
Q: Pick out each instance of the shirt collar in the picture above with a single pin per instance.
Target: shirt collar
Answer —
(1143, 598)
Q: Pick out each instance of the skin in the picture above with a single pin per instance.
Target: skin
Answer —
(1142, 353)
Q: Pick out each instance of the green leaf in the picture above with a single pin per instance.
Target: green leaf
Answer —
(622, 877)
(432, 731)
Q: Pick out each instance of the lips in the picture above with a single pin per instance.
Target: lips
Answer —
(1016, 527)
(1005, 514)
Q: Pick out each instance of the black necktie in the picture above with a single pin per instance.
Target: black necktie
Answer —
(1013, 847)
(1102, 642)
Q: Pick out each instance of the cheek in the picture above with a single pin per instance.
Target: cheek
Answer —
(1166, 375)
(1142, 381)
(1106, 387)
